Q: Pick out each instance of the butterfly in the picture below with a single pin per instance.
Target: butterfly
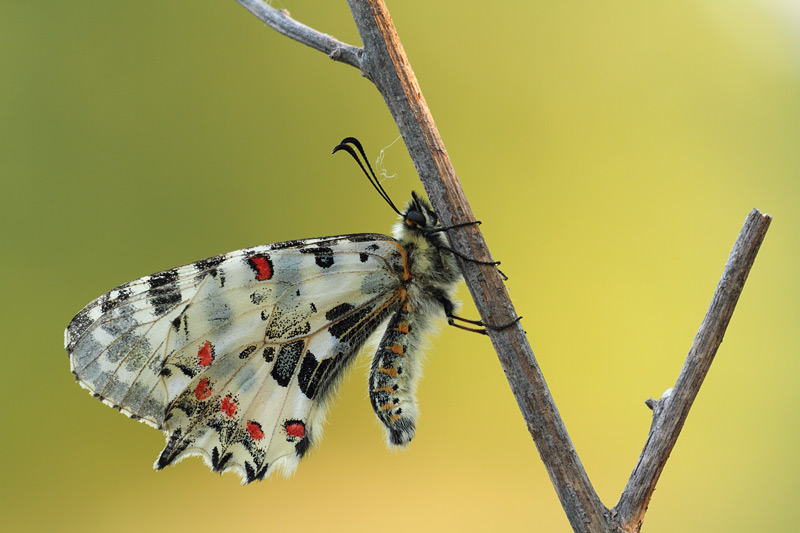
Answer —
(237, 357)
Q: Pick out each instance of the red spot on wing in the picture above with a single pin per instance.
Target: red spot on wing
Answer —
(203, 389)
(228, 406)
(262, 267)
(254, 428)
(205, 355)
(295, 428)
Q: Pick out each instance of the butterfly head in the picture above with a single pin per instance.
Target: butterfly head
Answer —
(419, 214)
(418, 224)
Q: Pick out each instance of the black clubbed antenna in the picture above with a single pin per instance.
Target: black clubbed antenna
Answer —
(345, 145)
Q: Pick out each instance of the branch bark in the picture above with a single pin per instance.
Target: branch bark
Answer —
(670, 412)
(384, 62)
(280, 21)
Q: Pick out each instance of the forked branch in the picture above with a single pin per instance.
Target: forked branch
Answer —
(669, 413)
(383, 61)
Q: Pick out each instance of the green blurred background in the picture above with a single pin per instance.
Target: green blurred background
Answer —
(612, 149)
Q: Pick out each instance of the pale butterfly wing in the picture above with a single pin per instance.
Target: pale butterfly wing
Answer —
(235, 356)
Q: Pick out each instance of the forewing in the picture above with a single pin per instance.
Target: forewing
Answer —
(234, 356)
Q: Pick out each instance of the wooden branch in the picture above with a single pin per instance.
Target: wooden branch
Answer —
(386, 64)
(669, 413)
(280, 21)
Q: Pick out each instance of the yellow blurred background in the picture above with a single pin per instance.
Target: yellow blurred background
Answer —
(612, 149)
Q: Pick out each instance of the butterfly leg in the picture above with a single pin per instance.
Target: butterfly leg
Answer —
(452, 318)
(466, 257)
(473, 260)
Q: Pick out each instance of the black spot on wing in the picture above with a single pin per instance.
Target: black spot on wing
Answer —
(113, 298)
(175, 446)
(244, 354)
(363, 257)
(123, 293)
(286, 244)
(164, 293)
(339, 311)
(105, 306)
(323, 256)
(162, 279)
(181, 318)
(163, 303)
(286, 362)
(346, 327)
(269, 354)
(255, 472)
(311, 373)
(218, 463)
(209, 264)
(187, 371)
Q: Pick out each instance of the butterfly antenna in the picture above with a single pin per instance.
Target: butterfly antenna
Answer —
(345, 145)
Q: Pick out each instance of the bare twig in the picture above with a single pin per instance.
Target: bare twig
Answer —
(280, 21)
(669, 413)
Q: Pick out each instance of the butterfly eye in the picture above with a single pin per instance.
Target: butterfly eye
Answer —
(415, 217)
